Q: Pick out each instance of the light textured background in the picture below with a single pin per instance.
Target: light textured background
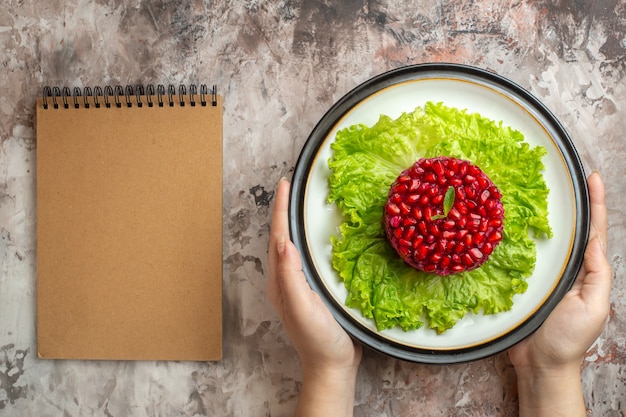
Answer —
(280, 65)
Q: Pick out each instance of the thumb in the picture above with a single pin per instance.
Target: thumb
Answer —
(294, 287)
(596, 284)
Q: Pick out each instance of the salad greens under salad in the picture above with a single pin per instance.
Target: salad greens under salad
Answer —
(365, 162)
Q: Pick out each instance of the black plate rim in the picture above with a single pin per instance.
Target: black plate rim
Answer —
(375, 341)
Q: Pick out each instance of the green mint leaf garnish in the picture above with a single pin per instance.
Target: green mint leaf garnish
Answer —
(448, 202)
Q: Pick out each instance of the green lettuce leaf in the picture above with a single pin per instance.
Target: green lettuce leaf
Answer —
(365, 162)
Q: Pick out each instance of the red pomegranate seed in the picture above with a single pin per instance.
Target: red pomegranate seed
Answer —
(461, 223)
(409, 221)
(448, 234)
(495, 222)
(455, 182)
(484, 196)
(454, 214)
(421, 252)
(468, 260)
(400, 188)
(494, 237)
(392, 209)
(448, 224)
(413, 198)
(476, 253)
(395, 221)
(404, 242)
(487, 248)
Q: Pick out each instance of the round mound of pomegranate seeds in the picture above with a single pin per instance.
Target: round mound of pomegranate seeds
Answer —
(444, 215)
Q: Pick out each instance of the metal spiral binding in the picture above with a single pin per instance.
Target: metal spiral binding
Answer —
(55, 97)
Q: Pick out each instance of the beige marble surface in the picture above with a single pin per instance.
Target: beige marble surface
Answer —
(280, 65)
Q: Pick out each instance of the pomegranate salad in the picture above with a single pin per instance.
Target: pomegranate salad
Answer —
(440, 210)
(443, 215)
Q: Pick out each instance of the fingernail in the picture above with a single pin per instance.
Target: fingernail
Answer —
(600, 242)
(595, 171)
(281, 245)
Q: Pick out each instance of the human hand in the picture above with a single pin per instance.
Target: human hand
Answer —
(579, 318)
(329, 357)
(555, 351)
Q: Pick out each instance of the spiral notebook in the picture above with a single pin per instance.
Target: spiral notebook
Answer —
(129, 223)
